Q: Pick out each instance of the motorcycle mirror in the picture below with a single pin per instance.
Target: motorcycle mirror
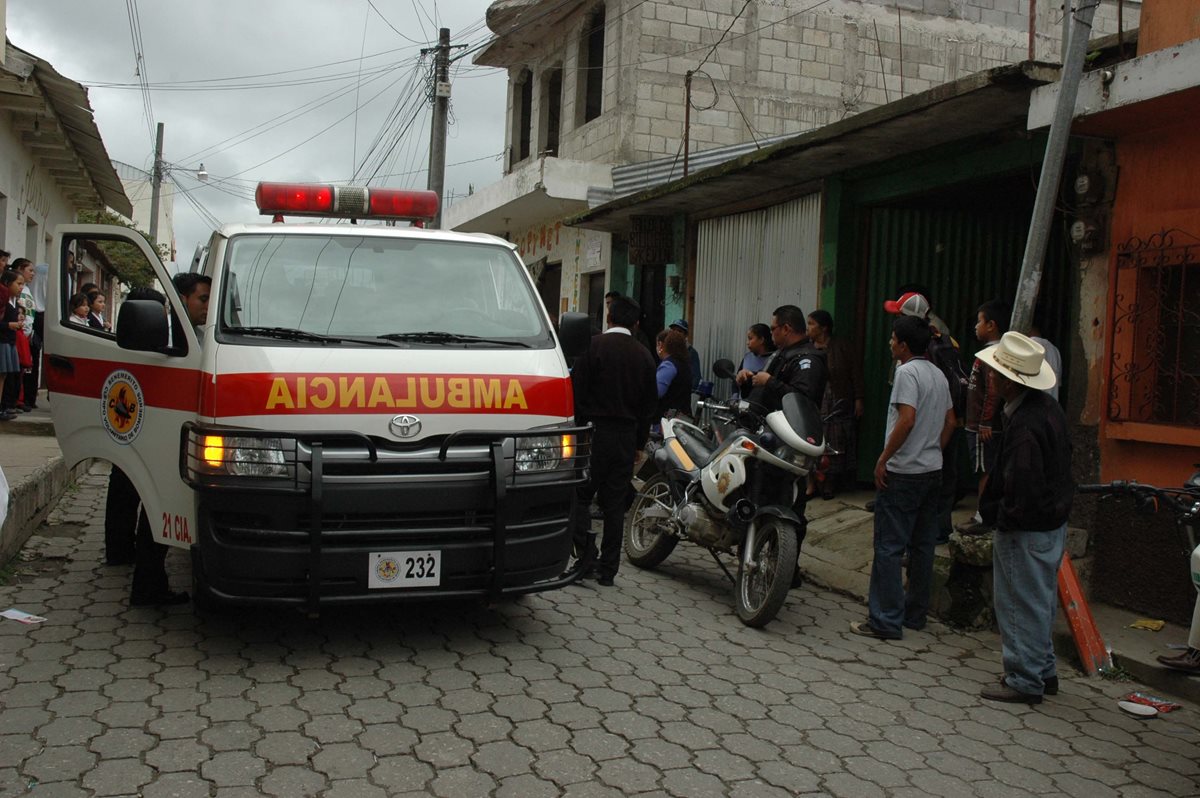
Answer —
(1193, 482)
(723, 368)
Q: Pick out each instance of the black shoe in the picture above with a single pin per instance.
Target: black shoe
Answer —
(1002, 692)
(869, 506)
(24, 408)
(797, 579)
(605, 581)
(1049, 685)
(166, 598)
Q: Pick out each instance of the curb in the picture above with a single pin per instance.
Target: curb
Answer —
(31, 500)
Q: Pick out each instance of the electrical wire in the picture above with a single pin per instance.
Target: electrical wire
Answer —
(139, 62)
(393, 27)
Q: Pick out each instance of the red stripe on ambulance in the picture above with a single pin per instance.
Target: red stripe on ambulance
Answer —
(168, 388)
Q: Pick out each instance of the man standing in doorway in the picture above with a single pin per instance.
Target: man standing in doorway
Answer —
(615, 390)
(1028, 499)
(908, 478)
(681, 326)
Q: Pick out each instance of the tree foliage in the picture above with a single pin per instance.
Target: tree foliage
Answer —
(127, 261)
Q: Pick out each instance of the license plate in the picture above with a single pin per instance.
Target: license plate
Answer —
(391, 569)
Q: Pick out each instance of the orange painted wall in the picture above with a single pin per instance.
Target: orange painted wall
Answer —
(1159, 172)
(1167, 22)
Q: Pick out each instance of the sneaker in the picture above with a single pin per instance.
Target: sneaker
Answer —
(1187, 662)
(865, 629)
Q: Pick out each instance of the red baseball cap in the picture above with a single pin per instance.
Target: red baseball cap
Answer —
(910, 304)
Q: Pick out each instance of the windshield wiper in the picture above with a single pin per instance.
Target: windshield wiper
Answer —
(292, 334)
(439, 337)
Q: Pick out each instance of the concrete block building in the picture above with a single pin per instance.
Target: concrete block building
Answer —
(597, 84)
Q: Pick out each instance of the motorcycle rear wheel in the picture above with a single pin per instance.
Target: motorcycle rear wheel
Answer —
(762, 588)
(648, 541)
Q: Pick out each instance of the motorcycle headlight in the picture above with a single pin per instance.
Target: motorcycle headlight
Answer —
(790, 455)
(246, 456)
(544, 452)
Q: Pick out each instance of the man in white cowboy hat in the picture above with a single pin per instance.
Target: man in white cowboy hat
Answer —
(1028, 498)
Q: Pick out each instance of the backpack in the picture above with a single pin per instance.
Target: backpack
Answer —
(944, 354)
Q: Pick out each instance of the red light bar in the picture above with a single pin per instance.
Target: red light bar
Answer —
(403, 204)
(301, 199)
(294, 198)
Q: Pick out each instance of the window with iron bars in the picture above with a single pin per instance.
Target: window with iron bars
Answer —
(1154, 374)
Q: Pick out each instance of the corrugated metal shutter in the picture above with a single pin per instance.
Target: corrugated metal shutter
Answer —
(749, 264)
(963, 257)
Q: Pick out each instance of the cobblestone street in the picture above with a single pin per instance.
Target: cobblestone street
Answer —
(652, 687)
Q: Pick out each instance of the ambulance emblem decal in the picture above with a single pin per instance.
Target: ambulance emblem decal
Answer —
(405, 426)
(387, 569)
(122, 406)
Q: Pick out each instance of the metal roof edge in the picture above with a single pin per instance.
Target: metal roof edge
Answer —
(1025, 74)
(69, 101)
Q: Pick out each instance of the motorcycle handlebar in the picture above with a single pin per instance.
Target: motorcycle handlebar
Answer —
(1180, 500)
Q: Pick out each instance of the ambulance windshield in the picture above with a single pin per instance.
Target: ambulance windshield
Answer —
(411, 292)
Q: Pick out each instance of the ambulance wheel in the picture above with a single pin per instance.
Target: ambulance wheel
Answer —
(649, 533)
(202, 602)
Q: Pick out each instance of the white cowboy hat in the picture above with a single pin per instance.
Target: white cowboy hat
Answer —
(1020, 359)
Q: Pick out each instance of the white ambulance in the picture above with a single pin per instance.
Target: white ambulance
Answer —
(368, 413)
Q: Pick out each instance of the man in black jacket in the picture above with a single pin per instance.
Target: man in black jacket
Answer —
(796, 367)
(1028, 498)
(615, 391)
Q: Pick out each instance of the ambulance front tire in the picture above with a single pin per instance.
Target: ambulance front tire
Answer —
(202, 601)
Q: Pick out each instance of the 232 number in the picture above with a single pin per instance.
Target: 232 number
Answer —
(419, 567)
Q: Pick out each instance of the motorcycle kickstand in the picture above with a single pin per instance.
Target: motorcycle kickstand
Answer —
(713, 552)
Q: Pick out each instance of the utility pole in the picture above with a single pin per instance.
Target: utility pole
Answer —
(1052, 165)
(441, 109)
(156, 185)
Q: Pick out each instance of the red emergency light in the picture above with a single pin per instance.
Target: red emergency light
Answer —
(350, 202)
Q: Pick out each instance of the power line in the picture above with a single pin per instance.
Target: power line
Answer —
(393, 27)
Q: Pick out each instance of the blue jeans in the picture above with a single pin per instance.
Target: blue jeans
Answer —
(1025, 569)
(906, 518)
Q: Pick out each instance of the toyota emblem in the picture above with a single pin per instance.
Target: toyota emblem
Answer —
(405, 426)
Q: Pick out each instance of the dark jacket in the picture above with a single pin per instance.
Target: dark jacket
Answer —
(1031, 487)
(800, 368)
(679, 392)
(614, 381)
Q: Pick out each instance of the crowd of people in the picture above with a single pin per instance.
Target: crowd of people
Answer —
(1004, 412)
(23, 297)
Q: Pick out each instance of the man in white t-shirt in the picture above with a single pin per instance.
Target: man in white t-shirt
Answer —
(908, 480)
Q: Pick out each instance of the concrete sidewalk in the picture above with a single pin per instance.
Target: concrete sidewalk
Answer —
(838, 551)
(36, 474)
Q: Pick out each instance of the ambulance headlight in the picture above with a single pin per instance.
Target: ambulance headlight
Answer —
(247, 456)
(544, 452)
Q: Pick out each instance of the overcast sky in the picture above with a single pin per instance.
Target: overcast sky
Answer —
(210, 47)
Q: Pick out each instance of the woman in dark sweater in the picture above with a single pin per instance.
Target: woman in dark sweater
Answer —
(843, 400)
(674, 375)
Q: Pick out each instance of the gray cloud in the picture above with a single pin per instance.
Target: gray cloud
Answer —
(89, 41)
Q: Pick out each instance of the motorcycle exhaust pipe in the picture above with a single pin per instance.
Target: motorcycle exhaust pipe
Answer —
(743, 511)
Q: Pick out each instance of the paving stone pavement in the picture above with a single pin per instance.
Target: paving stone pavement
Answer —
(649, 688)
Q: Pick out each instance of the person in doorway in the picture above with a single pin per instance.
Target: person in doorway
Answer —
(842, 404)
(128, 536)
(984, 421)
(908, 478)
(1028, 498)
(759, 347)
(673, 376)
(614, 384)
(11, 282)
(681, 326)
(194, 290)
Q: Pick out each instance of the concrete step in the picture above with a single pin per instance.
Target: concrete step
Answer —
(1134, 650)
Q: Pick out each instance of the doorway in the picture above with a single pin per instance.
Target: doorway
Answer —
(549, 286)
(592, 293)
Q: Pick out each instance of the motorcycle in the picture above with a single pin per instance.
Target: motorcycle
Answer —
(730, 488)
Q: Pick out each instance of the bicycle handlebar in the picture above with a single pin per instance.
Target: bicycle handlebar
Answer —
(1181, 500)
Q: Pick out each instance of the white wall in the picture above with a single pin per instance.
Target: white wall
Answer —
(32, 204)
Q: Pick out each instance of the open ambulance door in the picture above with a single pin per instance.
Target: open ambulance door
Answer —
(117, 399)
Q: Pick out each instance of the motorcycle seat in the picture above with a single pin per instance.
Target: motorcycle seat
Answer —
(700, 449)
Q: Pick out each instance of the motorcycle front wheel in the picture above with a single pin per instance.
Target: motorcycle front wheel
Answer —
(648, 532)
(765, 572)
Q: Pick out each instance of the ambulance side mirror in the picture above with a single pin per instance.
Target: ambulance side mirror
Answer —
(142, 326)
(575, 333)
